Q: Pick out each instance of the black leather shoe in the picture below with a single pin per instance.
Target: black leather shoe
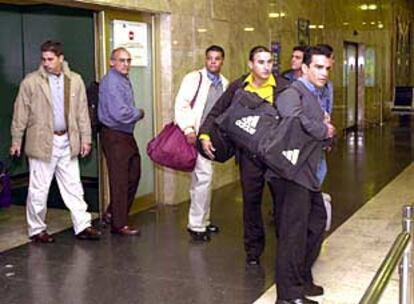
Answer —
(212, 228)
(297, 301)
(313, 290)
(90, 233)
(252, 261)
(199, 236)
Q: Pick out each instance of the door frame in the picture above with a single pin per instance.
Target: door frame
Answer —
(356, 104)
(102, 64)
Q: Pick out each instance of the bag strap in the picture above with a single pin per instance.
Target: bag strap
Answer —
(198, 89)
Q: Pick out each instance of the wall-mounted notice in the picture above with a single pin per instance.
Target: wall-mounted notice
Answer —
(133, 37)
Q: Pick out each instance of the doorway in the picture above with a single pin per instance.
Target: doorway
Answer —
(142, 79)
(23, 29)
(350, 78)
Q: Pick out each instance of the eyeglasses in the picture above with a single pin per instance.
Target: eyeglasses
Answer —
(125, 60)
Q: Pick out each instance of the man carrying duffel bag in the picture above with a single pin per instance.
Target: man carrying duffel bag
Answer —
(262, 82)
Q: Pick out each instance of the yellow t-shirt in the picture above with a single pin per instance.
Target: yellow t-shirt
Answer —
(265, 91)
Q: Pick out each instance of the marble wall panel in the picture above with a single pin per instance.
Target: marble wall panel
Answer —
(221, 10)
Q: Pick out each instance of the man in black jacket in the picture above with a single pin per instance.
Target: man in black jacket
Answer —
(301, 213)
(261, 81)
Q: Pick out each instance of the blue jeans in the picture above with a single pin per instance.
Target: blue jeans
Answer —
(322, 169)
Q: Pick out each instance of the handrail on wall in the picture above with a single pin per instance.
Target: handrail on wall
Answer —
(400, 252)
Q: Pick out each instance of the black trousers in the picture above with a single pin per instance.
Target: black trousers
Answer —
(300, 219)
(252, 177)
(124, 170)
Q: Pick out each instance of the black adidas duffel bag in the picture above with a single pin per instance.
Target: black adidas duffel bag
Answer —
(286, 148)
(248, 119)
(254, 125)
(224, 149)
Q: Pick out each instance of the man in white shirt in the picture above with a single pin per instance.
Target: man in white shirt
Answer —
(206, 86)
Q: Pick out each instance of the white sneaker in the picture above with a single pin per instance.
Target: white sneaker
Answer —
(328, 208)
(326, 197)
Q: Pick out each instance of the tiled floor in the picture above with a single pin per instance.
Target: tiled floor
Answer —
(163, 266)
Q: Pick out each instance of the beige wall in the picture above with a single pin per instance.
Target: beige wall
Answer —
(182, 46)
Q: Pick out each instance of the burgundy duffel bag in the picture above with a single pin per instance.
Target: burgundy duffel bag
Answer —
(171, 149)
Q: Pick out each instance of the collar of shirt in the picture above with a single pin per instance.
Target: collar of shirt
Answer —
(120, 78)
(54, 76)
(265, 91)
(291, 75)
(311, 87)
(214, 78)
(325, 89)
(118, 74)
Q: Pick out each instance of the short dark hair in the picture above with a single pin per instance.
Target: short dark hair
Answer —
(300, 48)
(55, 47)
(327, 48)
(215, 48)
(311, 51)
(257, 49)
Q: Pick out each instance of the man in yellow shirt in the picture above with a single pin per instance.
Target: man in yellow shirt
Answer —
(261, 81)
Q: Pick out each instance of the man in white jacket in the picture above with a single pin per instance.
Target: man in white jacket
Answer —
(206, 86)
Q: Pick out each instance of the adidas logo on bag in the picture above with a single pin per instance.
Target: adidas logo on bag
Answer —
(248, 124)
(291, 155)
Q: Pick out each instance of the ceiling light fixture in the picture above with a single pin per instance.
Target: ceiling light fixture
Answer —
(370, 7)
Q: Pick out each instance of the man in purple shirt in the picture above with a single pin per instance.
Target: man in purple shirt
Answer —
(118, 115)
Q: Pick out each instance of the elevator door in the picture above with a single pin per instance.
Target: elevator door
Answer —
(350, 84)
(22, 30)
(11, 73)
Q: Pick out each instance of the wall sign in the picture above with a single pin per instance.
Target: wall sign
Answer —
(275, 48)
(303, 31)
(134, 37)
